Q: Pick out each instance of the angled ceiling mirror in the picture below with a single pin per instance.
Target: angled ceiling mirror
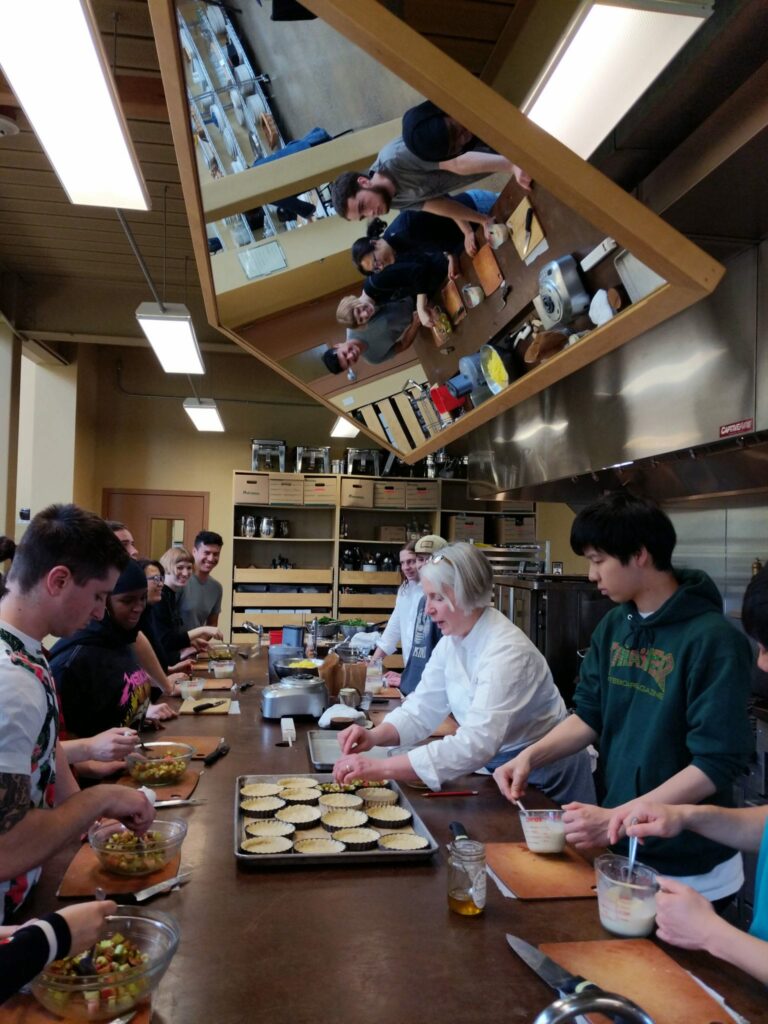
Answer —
(266, 114)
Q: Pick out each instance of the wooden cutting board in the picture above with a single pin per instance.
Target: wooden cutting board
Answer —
(541, 876)
(203, 745)
(487, 269)
(27, 1010)
(187, 707)
(85, 874)
(516, 225)
(639, 970)
(217, 684)
(453, 303)
(182, 789)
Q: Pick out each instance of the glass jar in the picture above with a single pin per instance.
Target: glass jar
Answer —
(250, 526)
(374, 677)
(466, 877)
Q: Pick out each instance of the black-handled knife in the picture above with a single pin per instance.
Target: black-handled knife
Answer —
(552, 973)
(458, 831)
(213, 757)
(206, 705)
(528, 226)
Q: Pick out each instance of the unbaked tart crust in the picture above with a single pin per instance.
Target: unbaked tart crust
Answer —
(259, 789)
(334, 820)
(270, 828)
(403, 841)
(357, 838)
(322, 846)
(268, 844)
(261, 807)
(300, 795)
(378, 796)
(390, 817)
(300, 815)
(339, 801)
(295, 781)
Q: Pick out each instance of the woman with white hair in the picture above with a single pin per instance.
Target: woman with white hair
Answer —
(488, 675)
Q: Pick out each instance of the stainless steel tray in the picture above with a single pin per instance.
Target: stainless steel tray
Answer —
(304, 859)
(324, 750)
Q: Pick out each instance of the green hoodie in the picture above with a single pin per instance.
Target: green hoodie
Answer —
(664, 692)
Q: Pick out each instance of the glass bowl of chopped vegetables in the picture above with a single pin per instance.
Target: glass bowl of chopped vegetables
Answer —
(123, 852)
(120, 971)
(160, 763)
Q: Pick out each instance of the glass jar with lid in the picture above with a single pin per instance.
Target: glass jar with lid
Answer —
(466, 877)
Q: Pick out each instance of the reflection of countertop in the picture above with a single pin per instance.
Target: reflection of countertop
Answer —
(565, 231)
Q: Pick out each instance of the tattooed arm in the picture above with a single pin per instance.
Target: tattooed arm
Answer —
(28, 836)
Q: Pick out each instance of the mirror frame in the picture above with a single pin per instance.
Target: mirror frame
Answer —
(690, 273)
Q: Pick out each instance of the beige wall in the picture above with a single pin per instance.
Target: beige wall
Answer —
(10, 372)
(553, 523)
(133, 440)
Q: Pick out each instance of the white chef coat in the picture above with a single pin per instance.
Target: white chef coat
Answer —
(399, 629)
(498, 687)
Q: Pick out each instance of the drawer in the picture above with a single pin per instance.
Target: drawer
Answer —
(422, 494)
(389, 495)
(251, 489)
(321, 490)
(286, 489)
(357, 493)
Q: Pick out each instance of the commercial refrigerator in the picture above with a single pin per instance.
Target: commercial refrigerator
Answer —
(558, 613)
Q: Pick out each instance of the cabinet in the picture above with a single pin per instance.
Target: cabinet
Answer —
(337, 523)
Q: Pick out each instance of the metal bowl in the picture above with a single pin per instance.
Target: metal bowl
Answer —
(289, 667)
(327, 630)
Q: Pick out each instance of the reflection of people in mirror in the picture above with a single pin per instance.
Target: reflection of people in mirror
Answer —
(376, 333)
(416, 274)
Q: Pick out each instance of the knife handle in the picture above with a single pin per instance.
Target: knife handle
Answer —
(214, 756)
(577, 985)
(457, 830)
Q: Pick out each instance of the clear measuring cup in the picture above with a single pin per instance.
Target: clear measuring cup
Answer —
(627, 904)
(544, 830)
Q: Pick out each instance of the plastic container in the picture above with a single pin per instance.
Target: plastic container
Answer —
(165, 839)
(627, 905)
(191, 688)
(102, 997)
(543, 830)
(275, 636)
(223, 669)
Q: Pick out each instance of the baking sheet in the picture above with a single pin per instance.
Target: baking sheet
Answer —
(324, 749)
(327, 860)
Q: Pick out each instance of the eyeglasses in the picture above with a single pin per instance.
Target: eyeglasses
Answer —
(439, 558)
(156, 579)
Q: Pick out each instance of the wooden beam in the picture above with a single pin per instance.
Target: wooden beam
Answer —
(141, 97)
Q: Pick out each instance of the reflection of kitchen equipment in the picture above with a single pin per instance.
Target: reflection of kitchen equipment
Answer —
(313, 460)
(282, 652)
(364, 461)
(267, 527)
(248, 526)
(562, 296)
(267, 455)
(294, 696)
(494, 369)
(284, 669)
(609, 1004)
(337, 466)
(293, 635)
(445, 402)
(638, 279)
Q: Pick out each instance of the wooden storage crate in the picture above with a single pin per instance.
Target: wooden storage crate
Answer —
(321, 490)
(390, 534)
(286, 489)
(389, 494)
(422, 494)
(369, 579)
(367, 600)
(251, 489)
(515, 530)
(465, 528)
(265, 600)
(356, 493)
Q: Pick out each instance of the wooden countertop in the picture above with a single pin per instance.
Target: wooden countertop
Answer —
(376, 944)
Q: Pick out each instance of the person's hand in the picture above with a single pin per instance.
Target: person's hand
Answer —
(392, 679)
(112, 745)
(454, 267)
(651, 819)
(85, 921)
(586, 825)
(126, 805)
(522, 178)
(355, 766)
(683, 916)
(160, 713)
(470, 243)
(7, 930)
(426, 316)
(207, 632)
(355, 739)
(181, 668)
(200, 644)
(511, 778)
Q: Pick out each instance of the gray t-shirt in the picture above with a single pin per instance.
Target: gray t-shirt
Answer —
(200, 600)
(417, 180)
(381, 332)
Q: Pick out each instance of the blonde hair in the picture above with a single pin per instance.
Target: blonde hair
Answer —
(171, 558)
(345, 311)
(464, 569)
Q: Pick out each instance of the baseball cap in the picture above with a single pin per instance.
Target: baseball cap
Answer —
(430, 544)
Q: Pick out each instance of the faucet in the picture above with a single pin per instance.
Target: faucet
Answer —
(620, 1009)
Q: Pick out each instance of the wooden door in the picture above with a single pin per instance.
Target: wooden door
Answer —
(157, 518)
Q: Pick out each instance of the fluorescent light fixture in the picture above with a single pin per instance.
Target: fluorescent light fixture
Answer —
(52, 55)
(204, 413)
(610, 53)
(171, 333)
(343, 428)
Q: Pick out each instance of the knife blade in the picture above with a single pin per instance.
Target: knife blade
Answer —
(528, 226)
(177, 802)
(154, 890)
(206, 705)
(221, 751)
(552, 973)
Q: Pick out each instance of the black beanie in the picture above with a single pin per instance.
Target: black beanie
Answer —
(331, 361)
(425, 132)
(131, 578)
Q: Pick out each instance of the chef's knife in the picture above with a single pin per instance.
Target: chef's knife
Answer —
(154, 890)
(206, 705)
(528, 226)
(213, 757)
(177, 802)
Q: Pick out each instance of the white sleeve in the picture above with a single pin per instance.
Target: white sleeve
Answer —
(22, 713)
(390, 638)
(425, 708)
